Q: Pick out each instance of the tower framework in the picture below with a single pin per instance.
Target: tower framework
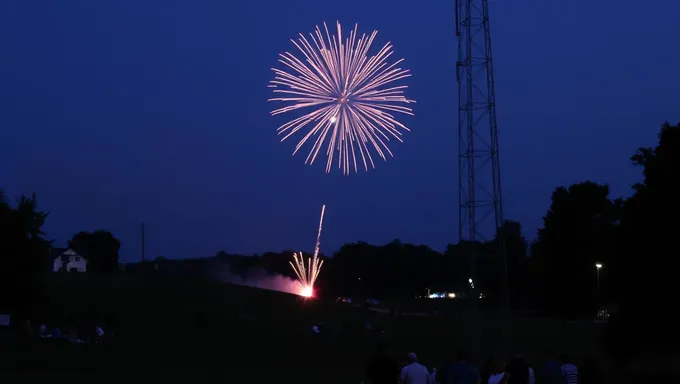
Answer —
(480, 198)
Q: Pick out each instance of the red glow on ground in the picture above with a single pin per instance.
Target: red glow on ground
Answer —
(306, 292)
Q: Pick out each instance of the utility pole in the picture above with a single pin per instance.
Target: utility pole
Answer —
(143, 248)
(598, 289)
(479, 183)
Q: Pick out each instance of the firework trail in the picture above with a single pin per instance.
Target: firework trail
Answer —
(352, 95)
(307, 274)
(318, 234)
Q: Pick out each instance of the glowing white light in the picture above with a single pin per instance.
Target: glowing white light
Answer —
(306, 292)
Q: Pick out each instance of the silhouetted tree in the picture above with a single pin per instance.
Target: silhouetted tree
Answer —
(23, 253)
(578, 231)
(648, 245)
(100, 248)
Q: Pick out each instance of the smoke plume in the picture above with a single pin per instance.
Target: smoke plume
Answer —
(258, 278)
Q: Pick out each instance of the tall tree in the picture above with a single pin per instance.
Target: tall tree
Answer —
(578, 231)
(100, 248)
(23, 252)
(649, 246)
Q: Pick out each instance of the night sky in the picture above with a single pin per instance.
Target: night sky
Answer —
(115, 112)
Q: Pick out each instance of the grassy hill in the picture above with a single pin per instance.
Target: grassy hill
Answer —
(223, 330)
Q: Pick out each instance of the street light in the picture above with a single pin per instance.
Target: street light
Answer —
(598, 266)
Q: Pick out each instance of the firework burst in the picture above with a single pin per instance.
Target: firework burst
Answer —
(309, 272)
(351, 94)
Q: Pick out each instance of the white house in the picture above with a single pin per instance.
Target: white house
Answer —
(67, 260)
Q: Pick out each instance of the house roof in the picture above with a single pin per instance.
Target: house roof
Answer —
(58, 252)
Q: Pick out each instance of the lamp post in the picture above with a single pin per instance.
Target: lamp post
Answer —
(598, 266)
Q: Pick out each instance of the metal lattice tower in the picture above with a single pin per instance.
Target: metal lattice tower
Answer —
(478, 162)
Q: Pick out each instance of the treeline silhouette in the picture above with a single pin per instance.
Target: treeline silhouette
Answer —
(634, 238)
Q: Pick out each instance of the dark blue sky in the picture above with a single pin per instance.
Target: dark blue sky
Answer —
(116, 112)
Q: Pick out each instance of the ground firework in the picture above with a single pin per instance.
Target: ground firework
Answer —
(351, 94)
(307, 274)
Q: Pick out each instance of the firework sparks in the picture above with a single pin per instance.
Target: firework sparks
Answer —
(351, 93)
(307, 274)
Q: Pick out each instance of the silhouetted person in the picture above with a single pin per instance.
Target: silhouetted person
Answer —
(383, 368)
(73, 336)
(413, 372)
(517, 371)
(551, 372)
(461, 371)
(433, 376)
(485, 370)
(589, 372)
(27, 329)
(42, 332)
(493, 370)
(569, 370)
(110, 324)
(99, 334)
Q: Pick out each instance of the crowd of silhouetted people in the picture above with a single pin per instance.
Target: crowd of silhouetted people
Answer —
(73, 333)
(385, 368)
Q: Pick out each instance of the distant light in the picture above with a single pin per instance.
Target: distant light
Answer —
(598, 265)
(452, 295)
(470, 280)
(333, 119)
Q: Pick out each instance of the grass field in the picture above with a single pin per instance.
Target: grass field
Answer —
(197, 329)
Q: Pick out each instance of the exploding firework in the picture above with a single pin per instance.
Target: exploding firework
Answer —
(307, 274)
(351, 93)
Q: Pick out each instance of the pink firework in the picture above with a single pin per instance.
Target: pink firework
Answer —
(352, 96)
